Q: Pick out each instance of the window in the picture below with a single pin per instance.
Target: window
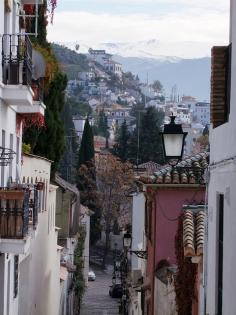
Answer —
(220, 253)
(220, 84)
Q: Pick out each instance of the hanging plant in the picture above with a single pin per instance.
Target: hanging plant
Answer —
(51, 63)
(185, 277)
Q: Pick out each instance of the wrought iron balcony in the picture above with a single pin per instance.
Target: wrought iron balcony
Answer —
(34, 207)
(16, 59)
(14, 213)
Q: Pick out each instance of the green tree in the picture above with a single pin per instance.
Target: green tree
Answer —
(49, 141)
(157, 86)
(102, 124)
(114, 179)
(68, 161)
(86, 183)
(86, 151)
(145, 144)
(78, 107)
(120, 149)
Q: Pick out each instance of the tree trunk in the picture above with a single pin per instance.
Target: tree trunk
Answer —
(106, 248)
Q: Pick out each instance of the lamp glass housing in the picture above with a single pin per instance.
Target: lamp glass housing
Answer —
(173, 140)
(173, 144)
(127, 240)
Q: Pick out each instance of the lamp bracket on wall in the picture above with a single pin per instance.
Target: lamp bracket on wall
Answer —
(139, 253)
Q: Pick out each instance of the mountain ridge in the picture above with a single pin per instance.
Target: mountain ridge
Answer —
(191, 75)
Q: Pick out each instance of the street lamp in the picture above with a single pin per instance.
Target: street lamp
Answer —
(173, 139)
(127, 240)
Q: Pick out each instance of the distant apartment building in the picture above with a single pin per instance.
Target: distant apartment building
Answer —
(86, 75)
(201, 113)
(183, 115)
(114, 67)
(106, 61)
(98, 55)
(189, 101)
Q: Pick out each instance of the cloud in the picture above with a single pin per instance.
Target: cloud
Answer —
(193, 24)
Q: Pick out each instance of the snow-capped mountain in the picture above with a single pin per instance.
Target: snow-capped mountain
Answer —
(191, 75)
(141, 49)
(153, 48)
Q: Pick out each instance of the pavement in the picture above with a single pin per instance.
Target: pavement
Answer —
(96, 299)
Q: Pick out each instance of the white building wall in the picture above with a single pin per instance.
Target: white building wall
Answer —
(39, 285)
(223, 181)
(86, 223)
(138, 243)
(8, 127)
(138, 227)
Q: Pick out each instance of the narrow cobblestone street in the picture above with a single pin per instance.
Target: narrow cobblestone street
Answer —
(96, 299)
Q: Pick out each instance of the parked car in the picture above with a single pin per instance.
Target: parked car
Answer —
(91, 276)
(116, 291)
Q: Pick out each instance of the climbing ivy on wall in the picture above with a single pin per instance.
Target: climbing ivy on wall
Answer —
(185, 277)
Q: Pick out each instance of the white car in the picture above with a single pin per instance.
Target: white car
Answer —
(91, 276)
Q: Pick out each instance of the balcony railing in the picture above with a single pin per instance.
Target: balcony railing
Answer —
(34, 208)
(16, 59)
(14, 213)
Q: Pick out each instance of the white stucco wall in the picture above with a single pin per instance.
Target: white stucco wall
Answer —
(138, 227)
(86, 223)
(39, 285)
(223, 181)
(222, 138)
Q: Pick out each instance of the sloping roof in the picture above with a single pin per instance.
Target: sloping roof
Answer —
(169, 175)
(64, 184)
(148, 167)
(193, 231)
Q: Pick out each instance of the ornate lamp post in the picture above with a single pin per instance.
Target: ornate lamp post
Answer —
(173, 139)
(127, 240)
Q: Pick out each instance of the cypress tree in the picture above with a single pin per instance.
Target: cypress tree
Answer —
(102, 125)
(121, 147)
(50, 142)
(86, 180)
(150, 140)
(86, 151)
(150, 147)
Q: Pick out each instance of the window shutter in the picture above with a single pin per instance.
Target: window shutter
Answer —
(220, 84)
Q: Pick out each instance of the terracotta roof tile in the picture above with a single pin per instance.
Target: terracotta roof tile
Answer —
(169, 175)
(193, 231)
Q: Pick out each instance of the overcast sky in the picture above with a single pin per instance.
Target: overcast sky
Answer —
(204, 22)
